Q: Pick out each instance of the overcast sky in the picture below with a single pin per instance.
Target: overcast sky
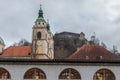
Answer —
(17, 18)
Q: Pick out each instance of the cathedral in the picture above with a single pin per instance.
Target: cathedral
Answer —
(37, 61)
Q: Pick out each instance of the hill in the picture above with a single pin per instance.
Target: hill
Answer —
(66, 43)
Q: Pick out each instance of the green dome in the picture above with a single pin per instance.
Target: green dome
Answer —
(40, 19)
(1, 41)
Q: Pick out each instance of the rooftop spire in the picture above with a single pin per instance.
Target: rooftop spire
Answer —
(40, 11)
(48, 26)
(48, 21)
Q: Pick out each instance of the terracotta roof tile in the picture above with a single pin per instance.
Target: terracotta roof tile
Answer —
(17, 51)
(92, 51)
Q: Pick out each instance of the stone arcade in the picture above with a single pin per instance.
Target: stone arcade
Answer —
(37, 62)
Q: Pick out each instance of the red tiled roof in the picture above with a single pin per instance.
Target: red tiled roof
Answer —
(93, 51)
(17, 51)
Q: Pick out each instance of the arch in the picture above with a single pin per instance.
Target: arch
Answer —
(69, 74)
(39, 35)
(4, 74)
(104, 74)
(34, 73)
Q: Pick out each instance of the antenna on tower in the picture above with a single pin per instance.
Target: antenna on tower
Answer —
(94, 34)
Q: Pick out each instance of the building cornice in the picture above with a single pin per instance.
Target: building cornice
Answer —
(60, 62)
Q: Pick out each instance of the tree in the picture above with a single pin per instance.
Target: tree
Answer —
(103, 45)
(22, 42)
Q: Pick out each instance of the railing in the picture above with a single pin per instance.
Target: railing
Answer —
(34, 79)
(69, 79)
(5, 79)
(45, 79)
(42, 79)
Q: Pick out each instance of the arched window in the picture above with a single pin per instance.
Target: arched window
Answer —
(4, 74)
(39, 35)
(104, 74)
(69, 74)
(35, 73)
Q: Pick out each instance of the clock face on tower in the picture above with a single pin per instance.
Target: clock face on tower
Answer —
(39, 43)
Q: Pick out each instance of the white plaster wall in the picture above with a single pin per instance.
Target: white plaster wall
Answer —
(52, 71)
(1, 47)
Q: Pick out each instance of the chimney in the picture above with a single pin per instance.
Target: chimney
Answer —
(87, 57)
(78, 49)
(101, 57)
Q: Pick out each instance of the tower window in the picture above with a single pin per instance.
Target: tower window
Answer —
(39, 35)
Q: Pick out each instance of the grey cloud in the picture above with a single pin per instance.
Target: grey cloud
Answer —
(17, 18)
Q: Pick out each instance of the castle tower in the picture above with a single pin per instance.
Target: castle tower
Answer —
(42, 41)
(82, 36)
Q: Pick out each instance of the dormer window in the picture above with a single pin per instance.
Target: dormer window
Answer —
(99, 57)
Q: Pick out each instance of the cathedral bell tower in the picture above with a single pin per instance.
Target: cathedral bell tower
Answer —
(42, 40)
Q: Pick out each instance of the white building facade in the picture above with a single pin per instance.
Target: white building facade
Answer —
(17, 69)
